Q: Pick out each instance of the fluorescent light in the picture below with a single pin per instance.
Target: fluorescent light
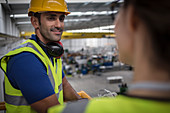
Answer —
(84, 1)
(23, 32)
(88, 13)
(19, 16)
(92, 13)
(112, 12)
(26, 22)
(77, 20)
(75, 14)
(107, 27)
(95, 29)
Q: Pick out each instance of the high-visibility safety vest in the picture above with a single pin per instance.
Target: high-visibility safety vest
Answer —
(15, 102)
(120, 104)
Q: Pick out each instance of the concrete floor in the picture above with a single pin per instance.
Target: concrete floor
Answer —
(92, 84)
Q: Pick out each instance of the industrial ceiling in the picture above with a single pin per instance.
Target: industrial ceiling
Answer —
(84, 14)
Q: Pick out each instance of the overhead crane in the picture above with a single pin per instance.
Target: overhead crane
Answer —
(81, 35)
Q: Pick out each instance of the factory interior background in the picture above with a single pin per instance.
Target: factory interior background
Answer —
(90, 61)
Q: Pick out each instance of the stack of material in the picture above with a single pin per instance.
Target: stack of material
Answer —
(115, 79)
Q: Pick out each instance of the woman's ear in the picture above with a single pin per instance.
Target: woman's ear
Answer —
(132, 19)
(35, 22)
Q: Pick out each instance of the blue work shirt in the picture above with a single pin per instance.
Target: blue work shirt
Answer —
(27, 73)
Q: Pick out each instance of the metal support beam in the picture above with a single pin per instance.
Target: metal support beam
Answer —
(2, 35)
(69, 35)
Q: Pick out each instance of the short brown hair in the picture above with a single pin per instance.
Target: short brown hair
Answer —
(156, 16)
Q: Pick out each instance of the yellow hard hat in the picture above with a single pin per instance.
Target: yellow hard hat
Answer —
(47, 5)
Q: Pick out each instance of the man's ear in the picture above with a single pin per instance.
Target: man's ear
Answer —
(133, 20)
(35, 22)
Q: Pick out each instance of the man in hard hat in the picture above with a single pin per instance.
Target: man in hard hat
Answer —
(34, 80)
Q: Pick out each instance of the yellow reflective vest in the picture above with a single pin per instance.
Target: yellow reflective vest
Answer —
(120, 104)
(14, 100)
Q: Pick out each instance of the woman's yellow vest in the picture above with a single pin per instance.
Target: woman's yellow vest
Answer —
(15, 102)
(119, 104)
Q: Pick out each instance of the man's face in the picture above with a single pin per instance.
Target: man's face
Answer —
(52, 25)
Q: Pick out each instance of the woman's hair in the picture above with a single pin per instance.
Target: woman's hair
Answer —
(155, 14)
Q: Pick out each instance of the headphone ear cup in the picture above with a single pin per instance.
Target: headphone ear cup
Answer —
(55, 49)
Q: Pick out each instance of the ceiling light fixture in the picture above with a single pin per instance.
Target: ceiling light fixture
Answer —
(95, 29)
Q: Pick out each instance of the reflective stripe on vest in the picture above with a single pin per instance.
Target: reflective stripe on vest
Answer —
(51, 77)
(80, 106)
(15, 100)
(13, 96)
(27, 45)
(60, 88)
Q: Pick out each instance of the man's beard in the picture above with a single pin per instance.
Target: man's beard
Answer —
(52, 29)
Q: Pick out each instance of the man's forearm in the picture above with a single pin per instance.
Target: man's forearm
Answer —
(43, 105)
(68, 92)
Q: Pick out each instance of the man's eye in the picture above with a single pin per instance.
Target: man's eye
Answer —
(51, 18)
(61, 19)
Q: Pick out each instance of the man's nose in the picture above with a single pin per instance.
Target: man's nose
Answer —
(58, 23)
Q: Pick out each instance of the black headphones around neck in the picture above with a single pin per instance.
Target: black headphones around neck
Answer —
(54, 49)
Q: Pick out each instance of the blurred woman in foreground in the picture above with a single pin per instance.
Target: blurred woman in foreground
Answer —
(143, 37)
